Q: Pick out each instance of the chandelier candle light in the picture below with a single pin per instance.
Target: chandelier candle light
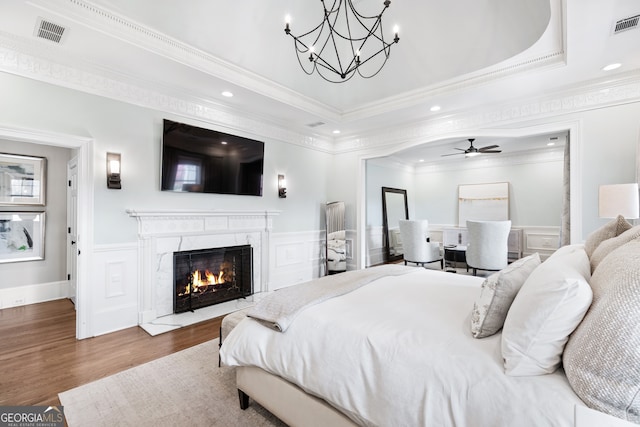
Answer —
(342, 43)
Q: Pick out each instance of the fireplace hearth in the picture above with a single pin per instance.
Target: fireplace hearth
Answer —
(206, 277)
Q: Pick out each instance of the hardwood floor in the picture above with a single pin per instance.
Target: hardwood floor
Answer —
(40, 356)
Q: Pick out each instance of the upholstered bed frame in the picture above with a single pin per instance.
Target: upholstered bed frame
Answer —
(286, 401)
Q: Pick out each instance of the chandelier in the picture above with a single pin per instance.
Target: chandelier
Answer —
(341, 45)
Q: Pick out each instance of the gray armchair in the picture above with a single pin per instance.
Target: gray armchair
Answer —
(417, 248)
(487, 248)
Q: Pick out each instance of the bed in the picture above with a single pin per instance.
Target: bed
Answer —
(399, 350)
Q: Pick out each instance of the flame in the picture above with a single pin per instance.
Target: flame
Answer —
(200, 281)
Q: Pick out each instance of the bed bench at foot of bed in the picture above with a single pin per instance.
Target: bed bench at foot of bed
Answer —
(285, 400)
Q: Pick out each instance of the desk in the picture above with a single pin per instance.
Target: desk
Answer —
(458, 236)
(454, 254)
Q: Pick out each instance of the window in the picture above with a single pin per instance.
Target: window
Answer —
(187, 175)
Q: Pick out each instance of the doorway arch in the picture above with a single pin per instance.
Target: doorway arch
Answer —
(575, 155)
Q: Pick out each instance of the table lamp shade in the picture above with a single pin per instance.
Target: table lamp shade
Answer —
(619, 199)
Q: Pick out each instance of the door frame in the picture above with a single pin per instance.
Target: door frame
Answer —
(84, 151)
(72, 225)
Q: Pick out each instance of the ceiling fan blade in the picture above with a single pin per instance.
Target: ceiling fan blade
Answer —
(491, 151)
(454, 154)
(488, 147)
(461, 149)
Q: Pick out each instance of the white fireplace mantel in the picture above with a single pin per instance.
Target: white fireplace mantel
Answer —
(160, 233)
(179, 222)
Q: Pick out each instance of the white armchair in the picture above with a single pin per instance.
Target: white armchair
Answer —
(417, 248)
(487, 248)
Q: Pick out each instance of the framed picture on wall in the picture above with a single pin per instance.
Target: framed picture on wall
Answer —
(22, 180)
(483, 202)
(21, 236)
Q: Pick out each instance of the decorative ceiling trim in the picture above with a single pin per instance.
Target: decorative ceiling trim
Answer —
(32, 60)
(588, 96)
(100, 19)
(469, 81)
(103, 20)
(28, 60)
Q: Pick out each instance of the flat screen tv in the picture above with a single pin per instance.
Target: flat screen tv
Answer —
(206, 161)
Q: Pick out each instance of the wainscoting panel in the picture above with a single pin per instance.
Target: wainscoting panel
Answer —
(375, 250)
(115, 287)
(295, 258)
(544, 240)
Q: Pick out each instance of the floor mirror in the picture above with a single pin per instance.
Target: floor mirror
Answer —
(336, 255)
(394, 208)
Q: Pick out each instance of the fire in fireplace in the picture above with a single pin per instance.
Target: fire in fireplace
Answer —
(206, 277)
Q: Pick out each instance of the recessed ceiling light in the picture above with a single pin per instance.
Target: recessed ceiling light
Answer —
(611, 67)
(550, 144)
(337, 131)
(421, 160)
(227, 94)
(435, 108)
(223, 142)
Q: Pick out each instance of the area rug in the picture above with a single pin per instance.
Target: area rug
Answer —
(183, 389)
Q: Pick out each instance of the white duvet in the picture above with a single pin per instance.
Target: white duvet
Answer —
(399, 352)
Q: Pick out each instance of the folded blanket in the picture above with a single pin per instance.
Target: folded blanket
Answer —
(278, 309)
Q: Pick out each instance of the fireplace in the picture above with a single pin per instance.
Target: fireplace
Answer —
(206, 277)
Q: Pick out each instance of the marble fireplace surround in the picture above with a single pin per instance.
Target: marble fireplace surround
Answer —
(160, 233)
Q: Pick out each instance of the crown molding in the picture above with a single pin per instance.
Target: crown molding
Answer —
(32, 60)
(605, 92)
(115, 25)
(547, 52)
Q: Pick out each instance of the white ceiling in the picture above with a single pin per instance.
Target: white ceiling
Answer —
(457, 54)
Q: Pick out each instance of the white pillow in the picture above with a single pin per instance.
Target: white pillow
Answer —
(497, 294)
(549, 306)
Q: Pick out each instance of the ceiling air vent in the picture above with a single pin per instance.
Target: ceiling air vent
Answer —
(50, 31)
(626, 24)
(315, 124)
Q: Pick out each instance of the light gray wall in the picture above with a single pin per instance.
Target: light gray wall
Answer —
(606, 150)
(54, 266)
(379, 175)
(535, 192)
(136, 132)
(610, 139)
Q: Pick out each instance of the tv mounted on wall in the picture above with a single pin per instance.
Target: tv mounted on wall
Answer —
(206, 161)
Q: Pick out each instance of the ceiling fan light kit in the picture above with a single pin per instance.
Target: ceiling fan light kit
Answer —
(343, 43)
(473, 151)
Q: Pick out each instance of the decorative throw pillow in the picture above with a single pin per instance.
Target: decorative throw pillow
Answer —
(613, 228)
(609, 245)
(601, 360)
(497, 294)
(550, 305)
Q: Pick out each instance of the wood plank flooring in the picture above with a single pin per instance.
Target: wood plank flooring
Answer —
(40, 356)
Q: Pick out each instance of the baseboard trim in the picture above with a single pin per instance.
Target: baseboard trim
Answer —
(33, 294)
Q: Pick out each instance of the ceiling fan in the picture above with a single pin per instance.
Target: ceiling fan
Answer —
(473, 151)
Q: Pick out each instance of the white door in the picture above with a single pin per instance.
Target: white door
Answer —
(72, 224)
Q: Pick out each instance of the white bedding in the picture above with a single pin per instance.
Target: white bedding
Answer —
(399, 352)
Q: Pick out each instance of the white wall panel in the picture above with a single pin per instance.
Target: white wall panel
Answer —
(114, 287)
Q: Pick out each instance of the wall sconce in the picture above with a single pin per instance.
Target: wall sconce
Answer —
(282, 187)
(113, 171)
(619, 199)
